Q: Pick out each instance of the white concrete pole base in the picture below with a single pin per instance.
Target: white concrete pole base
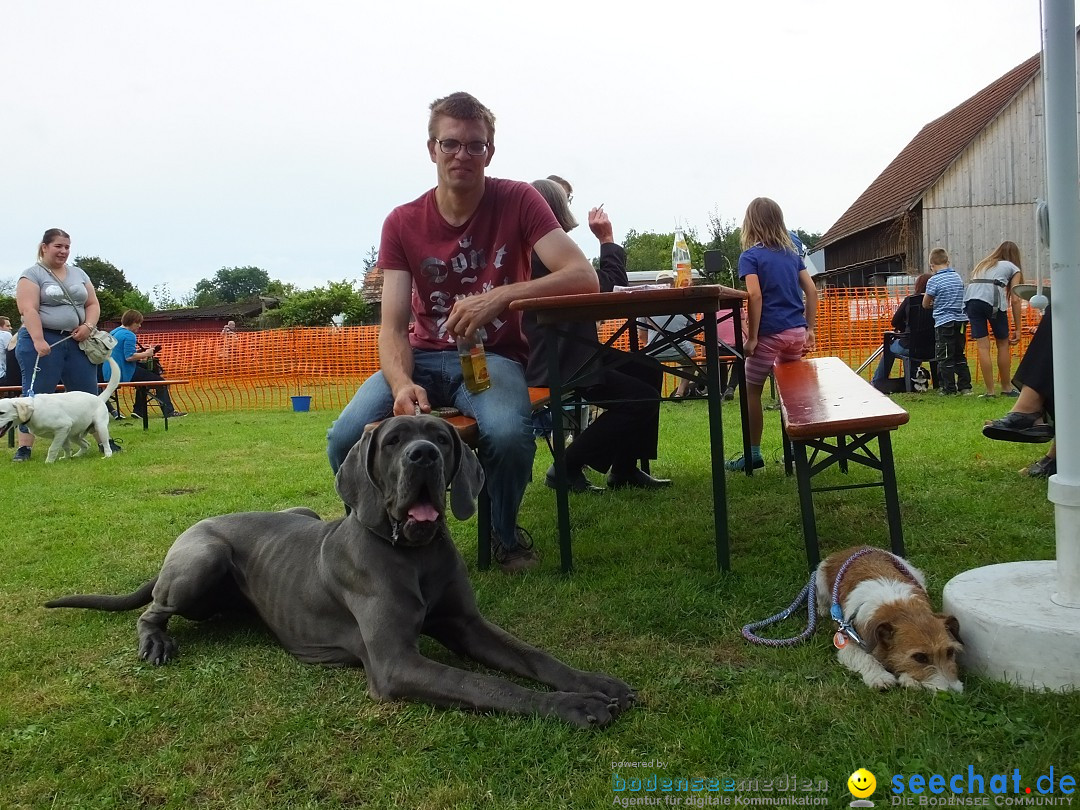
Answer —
(1012, 630)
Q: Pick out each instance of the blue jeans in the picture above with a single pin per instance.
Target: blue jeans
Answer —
(893, 348)
(66, 363)
(503, 417)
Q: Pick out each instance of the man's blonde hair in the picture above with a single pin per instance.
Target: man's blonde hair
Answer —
(462, 107)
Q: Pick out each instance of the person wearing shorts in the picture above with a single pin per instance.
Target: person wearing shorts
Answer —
(987, 300)
(782, 309)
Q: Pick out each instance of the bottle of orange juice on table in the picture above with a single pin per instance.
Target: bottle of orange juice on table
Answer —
(473, 363)
(680, 260)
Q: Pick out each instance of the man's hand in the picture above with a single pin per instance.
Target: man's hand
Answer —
(810, 343)
(600, 225)
(471, 313)
(410, 400)
(749, 345)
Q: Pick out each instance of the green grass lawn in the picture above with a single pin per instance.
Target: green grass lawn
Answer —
(236, 722)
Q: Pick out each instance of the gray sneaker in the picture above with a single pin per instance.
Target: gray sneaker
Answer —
(520, 558)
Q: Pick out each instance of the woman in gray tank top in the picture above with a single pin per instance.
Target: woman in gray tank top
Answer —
(988, 298)
(59, 310)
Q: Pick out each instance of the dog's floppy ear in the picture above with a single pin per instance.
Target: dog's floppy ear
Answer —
(467, 481)
(356, 483)
(881, 632)
(952, 625)
(24, 408)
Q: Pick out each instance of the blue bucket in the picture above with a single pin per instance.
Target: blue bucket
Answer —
(301, 403)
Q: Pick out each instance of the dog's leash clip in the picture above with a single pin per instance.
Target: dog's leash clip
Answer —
(844, 628)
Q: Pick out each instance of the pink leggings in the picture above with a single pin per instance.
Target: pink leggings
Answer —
(783, 347)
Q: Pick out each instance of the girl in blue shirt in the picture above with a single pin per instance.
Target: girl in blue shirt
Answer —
(780, 323)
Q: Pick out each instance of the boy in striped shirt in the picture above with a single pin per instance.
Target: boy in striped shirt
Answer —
(945, 296)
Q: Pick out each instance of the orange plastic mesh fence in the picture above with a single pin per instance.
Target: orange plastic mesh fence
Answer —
(264, 369)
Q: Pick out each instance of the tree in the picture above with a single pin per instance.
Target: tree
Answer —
(105, 275)
(319, 306)
(137, 299)
(371, 259)
(281, 289)
(111, 306)
(9, 308)
(164, 299)
(652, 251)
(231, 284)
(110, 283)
(724, 237)
(808, 239)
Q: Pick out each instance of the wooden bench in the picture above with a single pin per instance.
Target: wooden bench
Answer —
(151, 397)
(826, 407)
(16, 390)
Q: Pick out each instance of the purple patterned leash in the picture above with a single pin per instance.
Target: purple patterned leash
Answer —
(807, 595)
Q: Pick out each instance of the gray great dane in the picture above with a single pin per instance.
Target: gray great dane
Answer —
(361, 590)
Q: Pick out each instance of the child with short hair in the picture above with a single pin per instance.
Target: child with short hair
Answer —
(945, 296)
(780, 323)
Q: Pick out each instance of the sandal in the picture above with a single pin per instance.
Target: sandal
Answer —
(1019, 427)
(1043, 468)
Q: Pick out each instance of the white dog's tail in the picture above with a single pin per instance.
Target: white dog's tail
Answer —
(114, 380)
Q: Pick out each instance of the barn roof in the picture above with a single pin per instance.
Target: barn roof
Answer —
(239, 309)
(918, 166)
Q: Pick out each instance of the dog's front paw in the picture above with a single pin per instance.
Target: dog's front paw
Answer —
(879, 680)
(586, 710)
(615, 689)
(157, 647)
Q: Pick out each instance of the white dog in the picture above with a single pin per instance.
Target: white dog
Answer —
(65, 418)
(883, 598)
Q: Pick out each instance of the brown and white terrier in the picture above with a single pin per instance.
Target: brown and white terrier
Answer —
(904, 641)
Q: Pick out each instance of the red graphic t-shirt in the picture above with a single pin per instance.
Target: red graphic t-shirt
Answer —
(446, 262)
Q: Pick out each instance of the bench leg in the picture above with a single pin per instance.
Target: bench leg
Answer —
(788, 458)
(153, 399)
(806, 505)
(892, 499)
(483, 530)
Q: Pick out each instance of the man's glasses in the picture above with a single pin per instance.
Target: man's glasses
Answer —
(451, 147)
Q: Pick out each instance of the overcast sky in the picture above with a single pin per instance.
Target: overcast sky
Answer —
(174, 139)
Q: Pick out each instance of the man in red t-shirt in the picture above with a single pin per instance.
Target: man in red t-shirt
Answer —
(452, 262)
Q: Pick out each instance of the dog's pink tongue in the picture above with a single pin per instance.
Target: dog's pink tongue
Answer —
(423, 512)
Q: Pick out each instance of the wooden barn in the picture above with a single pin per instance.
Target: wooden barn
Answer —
(966, 182)
(205, 319)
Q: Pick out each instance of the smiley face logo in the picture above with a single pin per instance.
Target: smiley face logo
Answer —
(861, 783)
